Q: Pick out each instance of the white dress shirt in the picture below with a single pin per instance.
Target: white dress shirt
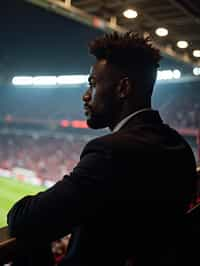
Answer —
(125, 120)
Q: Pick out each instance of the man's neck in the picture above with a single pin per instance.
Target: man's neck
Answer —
(126, 115)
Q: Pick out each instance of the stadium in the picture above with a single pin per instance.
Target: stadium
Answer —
(42, 123)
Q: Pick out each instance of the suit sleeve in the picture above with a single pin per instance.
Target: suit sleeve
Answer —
(76, 198)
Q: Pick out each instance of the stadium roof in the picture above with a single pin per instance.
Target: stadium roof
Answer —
(180, 17)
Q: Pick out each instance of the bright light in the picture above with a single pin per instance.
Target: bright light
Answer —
(176, 74)
(72, 79)
(196, 71)
(182, 44)
(196, 53)
(50, 80)
(64, 123)
(162, 32)
(130, 13)
(79, 124)
(168, 74)
(22, 81)
(165, 74)
(44, 80)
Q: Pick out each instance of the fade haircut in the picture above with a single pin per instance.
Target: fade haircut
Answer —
(133, 55)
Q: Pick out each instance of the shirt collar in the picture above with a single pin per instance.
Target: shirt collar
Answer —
(125, 120)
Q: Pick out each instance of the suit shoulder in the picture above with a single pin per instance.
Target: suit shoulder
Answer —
(96, 145)
(108, 143)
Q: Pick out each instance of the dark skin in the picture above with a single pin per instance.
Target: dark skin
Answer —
(111, 96)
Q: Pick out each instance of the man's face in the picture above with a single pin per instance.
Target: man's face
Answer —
(100, 99)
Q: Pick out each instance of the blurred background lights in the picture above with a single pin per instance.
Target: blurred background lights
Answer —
(161, 32)
(196, 71)
(130, 13)
(168, 74)
(44, 80)
(182, 44)
(176, 74)
(196, 53)
(72, 79)
(50, 80)
(22, 81)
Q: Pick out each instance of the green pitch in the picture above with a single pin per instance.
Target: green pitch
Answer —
(10, 191)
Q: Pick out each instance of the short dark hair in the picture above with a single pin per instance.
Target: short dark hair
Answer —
(131, 53)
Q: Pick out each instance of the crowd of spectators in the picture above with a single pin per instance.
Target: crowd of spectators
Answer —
(179, 104)
(50, 157)
(182, 114)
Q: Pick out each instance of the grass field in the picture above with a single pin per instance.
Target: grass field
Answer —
(10, 191)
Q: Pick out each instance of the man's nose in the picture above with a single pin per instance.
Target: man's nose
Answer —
(87, 96)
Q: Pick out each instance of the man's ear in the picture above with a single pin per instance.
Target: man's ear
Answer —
(124, 88)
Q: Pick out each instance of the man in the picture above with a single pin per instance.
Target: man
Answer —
(126, 199)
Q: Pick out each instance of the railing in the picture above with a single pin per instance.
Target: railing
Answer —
(8, 245)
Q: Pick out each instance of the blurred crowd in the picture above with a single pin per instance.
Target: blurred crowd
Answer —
(179, 104)
(182, 114)
(50, 157)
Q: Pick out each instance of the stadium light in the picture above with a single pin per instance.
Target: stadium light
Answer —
(176, 74)
(22, 81)
(130, 13)
(44, 80)
(196, 53)
(72, 79)
(165, 75)
(196, 71)
(168, 74)
(50, 80)
(162, 32)
(182, 44)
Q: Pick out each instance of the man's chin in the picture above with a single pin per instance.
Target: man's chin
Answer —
(94, 124)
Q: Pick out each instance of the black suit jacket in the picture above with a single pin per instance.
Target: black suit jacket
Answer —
(126, 198)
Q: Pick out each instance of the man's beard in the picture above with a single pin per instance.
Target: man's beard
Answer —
(104, 115)
(99, 120)
(96, 121)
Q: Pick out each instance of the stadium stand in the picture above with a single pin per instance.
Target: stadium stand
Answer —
(49, 156)
(179, 104)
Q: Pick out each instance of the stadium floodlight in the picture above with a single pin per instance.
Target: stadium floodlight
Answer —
(182, 44)
(44, 80)
(176, 74)
(196, 53)
(50, 80)
(165, 75)
(22, 81)
(196, 71)
(162, 32)
(159, 75)
(168, 74)
(72, 79)
(130, 13)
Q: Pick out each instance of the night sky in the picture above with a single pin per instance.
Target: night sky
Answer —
(35, 41)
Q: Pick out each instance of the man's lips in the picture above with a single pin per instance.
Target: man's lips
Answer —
(87, 110)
